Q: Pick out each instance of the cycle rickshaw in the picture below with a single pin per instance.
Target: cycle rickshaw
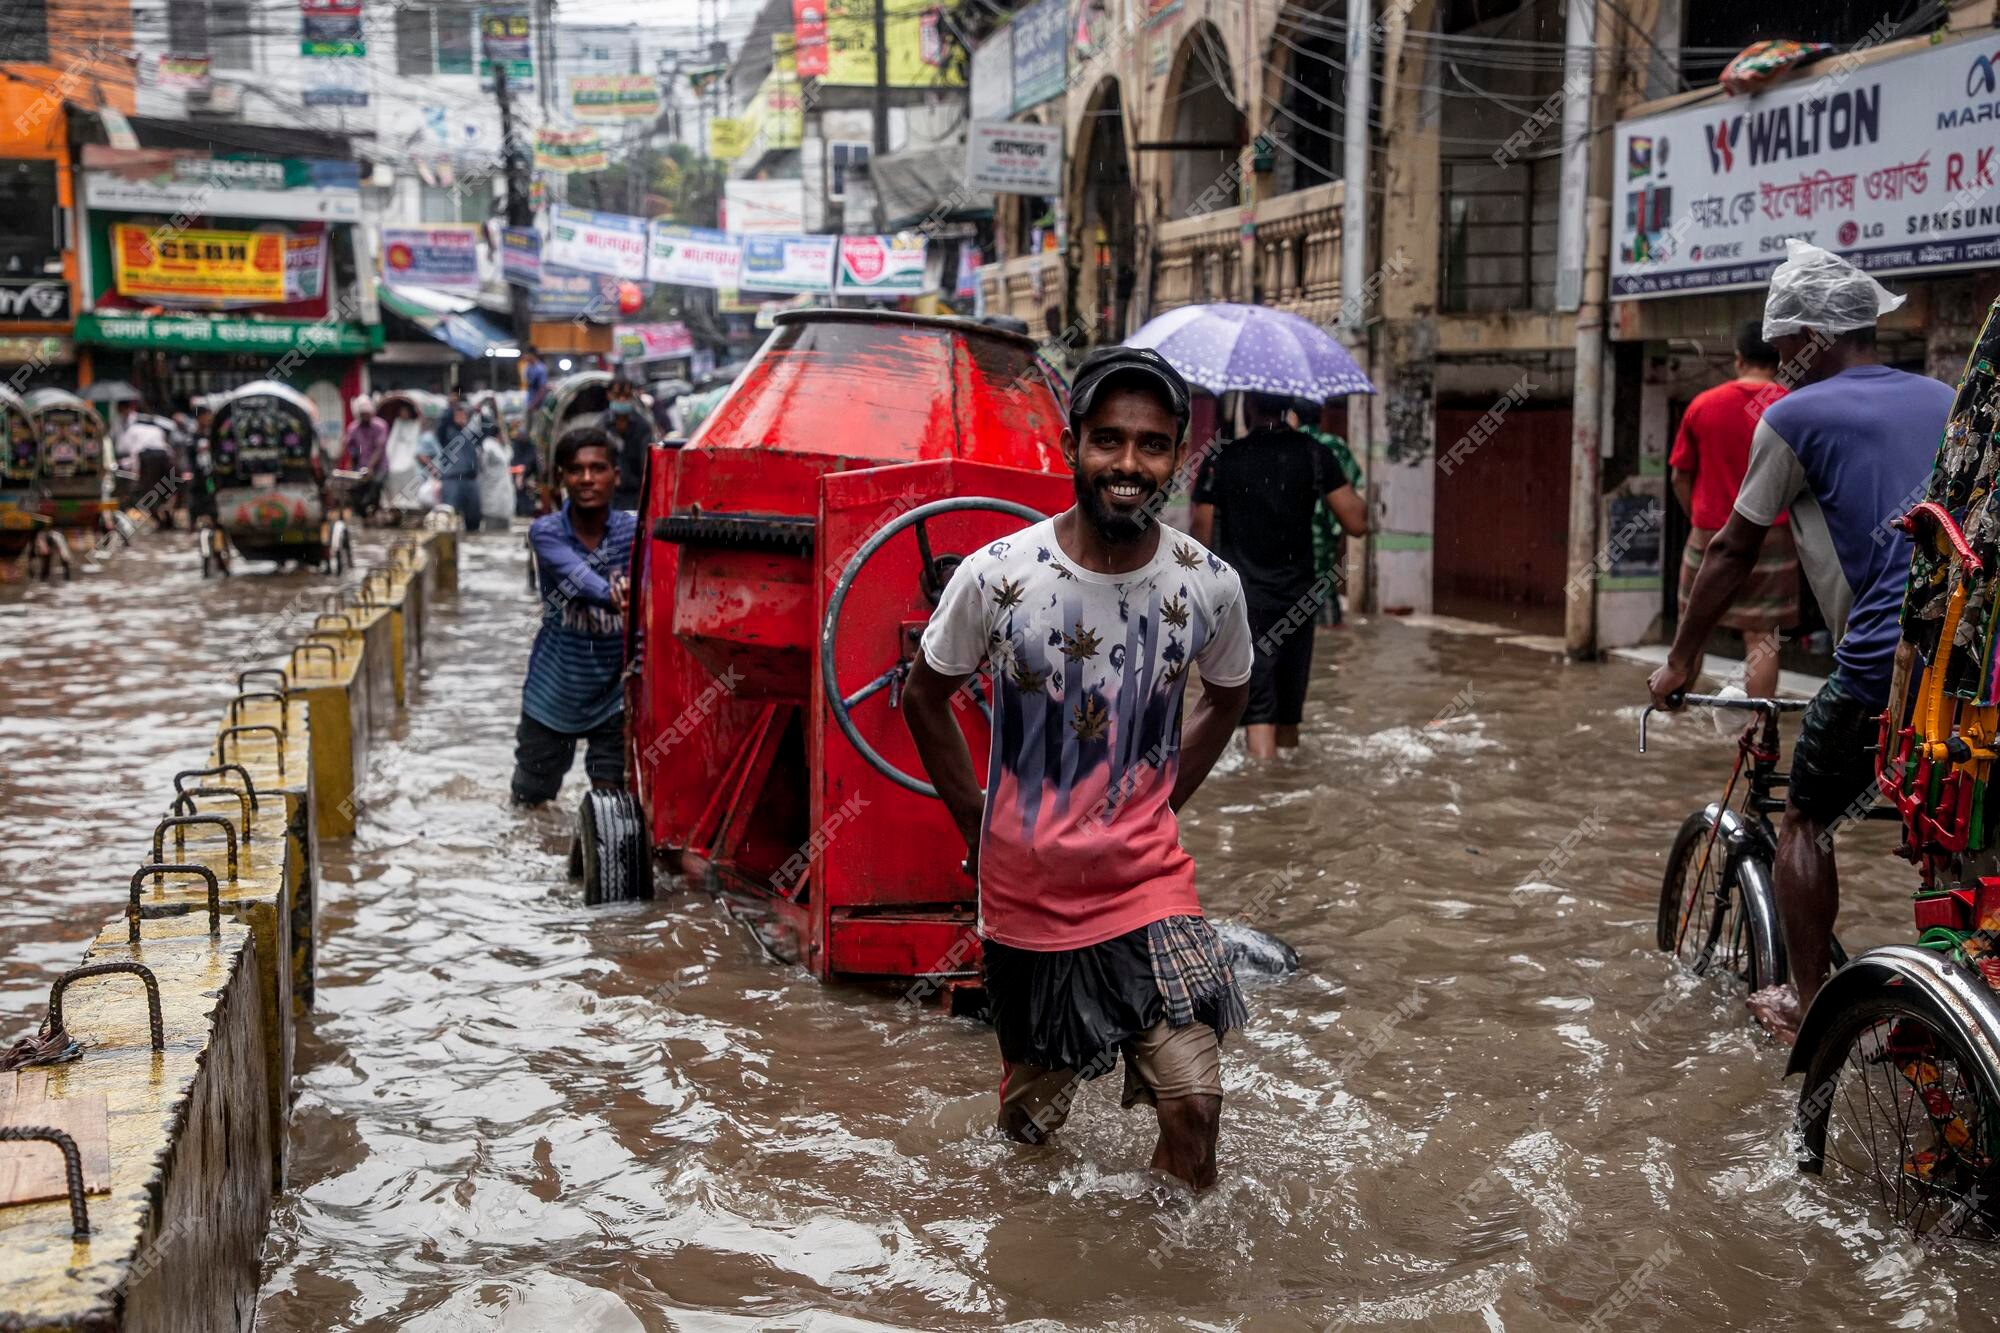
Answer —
(270, 480)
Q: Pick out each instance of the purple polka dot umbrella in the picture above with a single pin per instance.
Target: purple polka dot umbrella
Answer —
(1227, 347)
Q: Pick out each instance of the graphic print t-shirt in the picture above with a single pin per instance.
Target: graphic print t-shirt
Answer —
(1079, 843)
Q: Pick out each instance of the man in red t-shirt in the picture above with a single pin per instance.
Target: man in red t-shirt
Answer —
(1711, 454)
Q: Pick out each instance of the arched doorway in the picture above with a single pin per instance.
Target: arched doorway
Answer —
(1306, 90)
(1201, 121)
(1107, 257)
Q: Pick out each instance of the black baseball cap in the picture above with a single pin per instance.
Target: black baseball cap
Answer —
(1142, 364)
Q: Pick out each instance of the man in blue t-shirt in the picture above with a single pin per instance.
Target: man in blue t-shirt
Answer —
(1847, 452)
(575, 689)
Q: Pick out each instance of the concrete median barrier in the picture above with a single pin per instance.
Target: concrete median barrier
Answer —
(174, 1241)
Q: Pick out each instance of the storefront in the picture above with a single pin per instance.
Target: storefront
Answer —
(204, 272)
(1889, 158)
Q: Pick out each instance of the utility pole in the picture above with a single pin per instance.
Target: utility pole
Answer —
(520, 213)
(881, 149)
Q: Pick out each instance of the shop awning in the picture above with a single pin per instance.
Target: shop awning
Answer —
(455, 321)
(915, 183)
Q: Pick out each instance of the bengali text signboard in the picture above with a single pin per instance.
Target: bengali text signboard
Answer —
(1893, 165)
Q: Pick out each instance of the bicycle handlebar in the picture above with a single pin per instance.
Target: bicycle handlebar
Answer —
(1768, 707)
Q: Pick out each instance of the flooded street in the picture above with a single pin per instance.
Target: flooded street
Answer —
(1485, 1101)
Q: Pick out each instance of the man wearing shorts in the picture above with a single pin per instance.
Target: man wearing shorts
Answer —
(1263, 491)
(1711, 453)
(575, 691)
(1848, 451)
(1093, 941)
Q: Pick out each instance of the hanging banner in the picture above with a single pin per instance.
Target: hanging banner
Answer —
(305, 267)
(445, 256)
(614, 97)
(566, 293)
(199, 267)
(1889, 165)
(652, 342)
(331, 28)
(693, 257)
(341, 81)
(183, 73)
(968, 270)
(1041, 52)
(521, 256)
(764, 208)
(881, 266)
(993, 76)
(1014, 157)
(566, 151)
(809, 36)
(727, 137)
(596, 243)
(505, 34)
(788, 263)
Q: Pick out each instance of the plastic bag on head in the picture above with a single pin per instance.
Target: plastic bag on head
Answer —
(1817, 289)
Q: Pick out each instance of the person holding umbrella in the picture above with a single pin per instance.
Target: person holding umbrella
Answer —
(1265, 489)
(1255, 498)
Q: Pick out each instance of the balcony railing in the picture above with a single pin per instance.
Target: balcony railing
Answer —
(1010, 289)
(1197, 261)
(1298, 252)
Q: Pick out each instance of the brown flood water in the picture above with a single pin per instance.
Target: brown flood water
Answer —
(1485, 1102)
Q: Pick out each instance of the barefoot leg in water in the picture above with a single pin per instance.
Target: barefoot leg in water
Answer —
(1776, 1009)
(1807, 886)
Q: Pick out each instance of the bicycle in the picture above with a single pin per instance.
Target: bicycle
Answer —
(1717, 909)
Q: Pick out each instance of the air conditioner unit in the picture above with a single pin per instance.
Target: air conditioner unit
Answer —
(217, 99)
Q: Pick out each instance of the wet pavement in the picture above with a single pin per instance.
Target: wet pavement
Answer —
(1486, 1102)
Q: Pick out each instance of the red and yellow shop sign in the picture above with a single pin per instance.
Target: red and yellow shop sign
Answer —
(204, 267)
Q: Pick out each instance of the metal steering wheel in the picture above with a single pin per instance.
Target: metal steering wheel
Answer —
(838, 704)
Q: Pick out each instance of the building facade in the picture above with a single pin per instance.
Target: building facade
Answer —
(1515, 449)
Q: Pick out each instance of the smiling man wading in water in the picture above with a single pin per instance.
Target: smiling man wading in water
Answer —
(1093, 939)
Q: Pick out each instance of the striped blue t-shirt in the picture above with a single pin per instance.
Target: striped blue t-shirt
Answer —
(574, 671)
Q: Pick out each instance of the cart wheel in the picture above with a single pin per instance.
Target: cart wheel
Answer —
(612, 850)
(1894, 1099)
(1717, 914)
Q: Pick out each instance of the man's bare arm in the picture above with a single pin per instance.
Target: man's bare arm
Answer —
(1349, 510)
(942, 748)
(1204, 733)
(1724, 568)
(1684, 490)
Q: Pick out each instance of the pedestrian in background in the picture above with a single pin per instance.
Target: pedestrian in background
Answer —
(1254, 501)
(1329, 542)
(365, 449)
(633, 435)
(534, 378)
(1710, 455)
(575, 687)
(451, 454)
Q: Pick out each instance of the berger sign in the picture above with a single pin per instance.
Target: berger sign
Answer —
(1012, 157)
(1893, 165)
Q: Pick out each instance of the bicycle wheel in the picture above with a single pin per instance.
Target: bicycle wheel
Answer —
(1703, 897)
(1894, 1098)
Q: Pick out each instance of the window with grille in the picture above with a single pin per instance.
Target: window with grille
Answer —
(232, 40)
(187, 28)
(24, 31)
(846, 155)
(413, 40)
(454, 41)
